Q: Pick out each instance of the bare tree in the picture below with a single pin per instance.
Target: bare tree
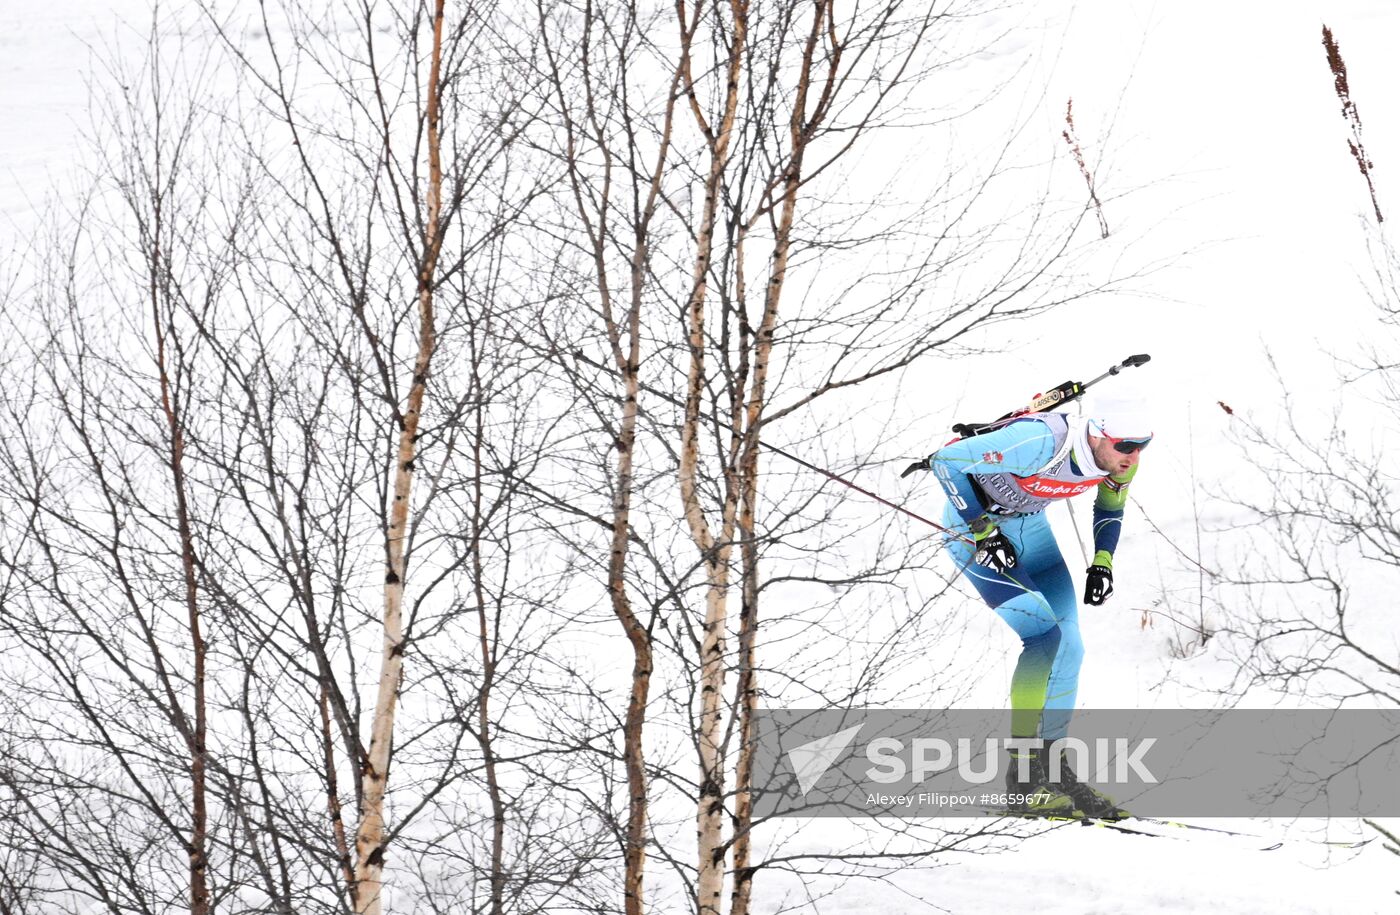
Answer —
(616, 159)
(114, 426)
(815, 83)
(297, 376)
(371, 836)
(778, 97)
(1291, 573)
(476, 451)
(151, 186)
(1295, 573)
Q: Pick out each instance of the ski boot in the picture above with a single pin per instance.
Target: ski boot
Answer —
(1087, 800)
(1036, 795)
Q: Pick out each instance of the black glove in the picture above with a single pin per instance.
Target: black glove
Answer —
(1098, 587)
(994, 550)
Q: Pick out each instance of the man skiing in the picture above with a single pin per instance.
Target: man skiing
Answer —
(998, 484)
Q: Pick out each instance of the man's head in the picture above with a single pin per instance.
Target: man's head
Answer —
(1119, 428)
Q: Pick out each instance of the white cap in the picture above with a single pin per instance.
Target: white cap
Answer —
(1119, 417)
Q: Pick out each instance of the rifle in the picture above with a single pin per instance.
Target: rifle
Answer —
(1057, 396)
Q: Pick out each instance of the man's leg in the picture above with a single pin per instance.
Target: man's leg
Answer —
(1055, 584)
(1047, 567)
(1063, 686)
(1018, 599)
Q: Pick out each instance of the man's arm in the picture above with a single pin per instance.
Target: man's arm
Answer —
(1108, 515)
(1019, 447)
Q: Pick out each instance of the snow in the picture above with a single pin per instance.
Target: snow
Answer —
(1094, 871)
(1224, 115)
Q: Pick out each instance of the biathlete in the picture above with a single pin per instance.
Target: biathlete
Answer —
(999, 484)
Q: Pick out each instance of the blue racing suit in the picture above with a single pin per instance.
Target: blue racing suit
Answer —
(1011, 475)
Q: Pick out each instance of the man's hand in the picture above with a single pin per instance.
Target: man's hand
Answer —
(1098, 587)
(994, 550)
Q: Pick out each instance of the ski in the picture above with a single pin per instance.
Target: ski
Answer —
(1133, 825)
(1115, 825)
(1179, 825)
(1183, 836)
(1331, 843)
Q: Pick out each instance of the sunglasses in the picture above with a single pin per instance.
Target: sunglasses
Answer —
(1128, 445)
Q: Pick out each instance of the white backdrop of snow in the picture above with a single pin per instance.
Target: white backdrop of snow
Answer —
(1225, 116)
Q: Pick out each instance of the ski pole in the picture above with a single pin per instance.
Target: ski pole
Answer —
(578, 354)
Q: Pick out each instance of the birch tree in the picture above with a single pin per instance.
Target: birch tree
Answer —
(784, 100)
(616, 159)
(292, 304)
(448, 96)
(371, 836)
(97, 482)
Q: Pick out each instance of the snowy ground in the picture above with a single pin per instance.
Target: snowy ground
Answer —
(1226, 113)
(1091, 871)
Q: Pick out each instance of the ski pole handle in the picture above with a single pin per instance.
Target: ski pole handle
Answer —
(1131, 362)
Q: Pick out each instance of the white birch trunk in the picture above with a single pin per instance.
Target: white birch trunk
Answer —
(371, 835)
(715, 552)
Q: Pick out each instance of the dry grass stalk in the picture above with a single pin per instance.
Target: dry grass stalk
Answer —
(1353, 119)
(1073, 141)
